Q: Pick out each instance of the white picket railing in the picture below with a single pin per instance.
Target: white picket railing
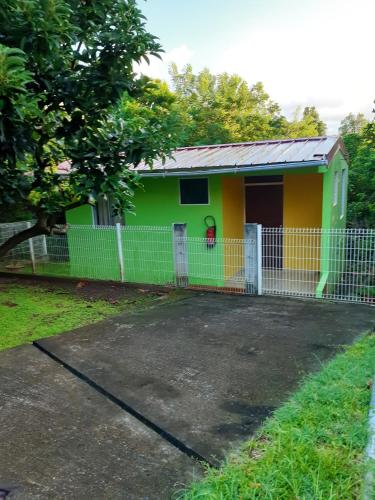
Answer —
(336, 264)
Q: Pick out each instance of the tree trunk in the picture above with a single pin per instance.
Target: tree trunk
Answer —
(41, 227)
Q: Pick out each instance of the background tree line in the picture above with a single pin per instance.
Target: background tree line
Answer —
(217, 109)
(359, 138)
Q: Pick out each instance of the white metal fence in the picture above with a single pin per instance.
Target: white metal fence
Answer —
(334, 264)
(35, 249)
(337, 264)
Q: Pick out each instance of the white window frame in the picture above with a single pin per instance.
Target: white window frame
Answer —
(335, 188)
(103, 213)
(344, 180)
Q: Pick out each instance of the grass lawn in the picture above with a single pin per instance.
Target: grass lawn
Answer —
(31, 312)
(313, 446)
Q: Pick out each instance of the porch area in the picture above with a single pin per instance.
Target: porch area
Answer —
(284, 205)
(291, 282)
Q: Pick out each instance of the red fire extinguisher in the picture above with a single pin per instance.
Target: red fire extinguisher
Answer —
(210, 222)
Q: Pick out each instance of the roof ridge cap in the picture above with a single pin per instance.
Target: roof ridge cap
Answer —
(255, 143)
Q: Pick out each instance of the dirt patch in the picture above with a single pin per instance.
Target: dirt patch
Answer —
(8, 303)
(88, 290)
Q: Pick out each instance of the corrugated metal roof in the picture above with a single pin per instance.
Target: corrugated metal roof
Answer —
(244, 154)
(247, 154)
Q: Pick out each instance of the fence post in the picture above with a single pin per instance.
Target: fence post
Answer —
(44, 245)
(31, 249)
(253, 258)
(180, 254)
(119, 251)
(259, 258)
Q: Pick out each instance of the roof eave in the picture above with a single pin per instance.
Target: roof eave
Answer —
(191, 172)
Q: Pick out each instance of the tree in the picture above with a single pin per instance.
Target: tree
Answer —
(223, 108)
(311, 114)
(353, 124)
(68, 92)
(307, 125)
(361, 196)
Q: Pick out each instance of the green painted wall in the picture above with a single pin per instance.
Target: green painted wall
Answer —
(80, 215)
(92, 254)
(148, 255)
(331, 217)
(332, 245)
(158, 204)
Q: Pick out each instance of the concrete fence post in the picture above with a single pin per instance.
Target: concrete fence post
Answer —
(180, 254)
(259, 260)
(253, 258)
(31, 250)
(120, 254)
(44, 246)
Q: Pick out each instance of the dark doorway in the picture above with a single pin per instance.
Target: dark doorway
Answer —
(264, 205)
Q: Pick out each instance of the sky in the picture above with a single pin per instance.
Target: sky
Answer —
(306, 52)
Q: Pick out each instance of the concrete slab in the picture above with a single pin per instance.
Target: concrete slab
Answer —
(59, 438)
(210, 368)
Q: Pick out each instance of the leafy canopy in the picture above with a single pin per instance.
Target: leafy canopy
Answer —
(361, 197)
(68, 91)
(224, 108)
(353, 124)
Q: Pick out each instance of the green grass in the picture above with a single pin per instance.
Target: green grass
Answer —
(30, 313)
(313, 446)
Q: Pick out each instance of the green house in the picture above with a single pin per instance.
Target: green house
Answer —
(290, 184)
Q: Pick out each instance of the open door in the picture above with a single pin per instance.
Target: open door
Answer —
(264, 205)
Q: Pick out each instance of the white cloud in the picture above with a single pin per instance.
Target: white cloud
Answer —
(321, 55)
(299, 68)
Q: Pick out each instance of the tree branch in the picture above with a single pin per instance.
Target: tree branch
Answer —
(18, 238)
(41, 227)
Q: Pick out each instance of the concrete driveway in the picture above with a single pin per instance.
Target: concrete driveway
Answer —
(125, 407)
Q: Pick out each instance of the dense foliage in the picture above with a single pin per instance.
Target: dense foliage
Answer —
(68, 91)
(353, 124)
(224, 108)
(360, 144)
